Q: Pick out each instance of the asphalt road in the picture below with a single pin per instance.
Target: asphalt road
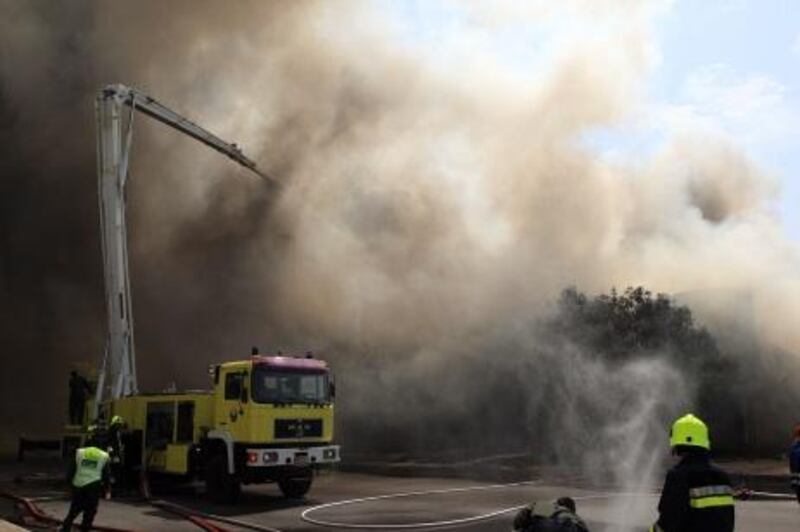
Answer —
(605, 511)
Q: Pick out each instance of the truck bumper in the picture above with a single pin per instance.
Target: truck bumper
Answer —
(294, 456)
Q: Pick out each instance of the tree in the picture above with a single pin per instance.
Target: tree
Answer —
(618, 327)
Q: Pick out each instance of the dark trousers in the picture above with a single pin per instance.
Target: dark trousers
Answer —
(76, 412)
(795, 484)
(84, 500)
(117, 476)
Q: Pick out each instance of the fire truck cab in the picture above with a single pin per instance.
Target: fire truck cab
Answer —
(267, 419)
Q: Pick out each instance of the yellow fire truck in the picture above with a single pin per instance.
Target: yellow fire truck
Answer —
(269, 418)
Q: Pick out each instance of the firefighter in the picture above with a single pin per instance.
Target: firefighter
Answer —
(697, 496)
(794, 462)
(79, 391)
(115, 433)
(561, 517)
(89, 477)
(116, 447)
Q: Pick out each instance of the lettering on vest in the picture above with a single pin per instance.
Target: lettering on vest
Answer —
(90, 462)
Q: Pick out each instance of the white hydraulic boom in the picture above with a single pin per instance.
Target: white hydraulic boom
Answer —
(117, 376)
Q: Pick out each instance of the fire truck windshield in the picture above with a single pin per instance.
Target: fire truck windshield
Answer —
(289, 387)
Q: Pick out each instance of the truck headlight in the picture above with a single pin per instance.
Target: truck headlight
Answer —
(270, 457)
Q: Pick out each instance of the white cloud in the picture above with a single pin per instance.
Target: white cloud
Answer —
(730, 6)
(754, 109)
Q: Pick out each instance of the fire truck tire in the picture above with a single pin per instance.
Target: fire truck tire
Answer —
(295, 486)
(221, 486)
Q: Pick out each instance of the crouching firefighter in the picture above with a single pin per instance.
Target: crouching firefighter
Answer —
(697, 496)
(89, 477)
(560, 517)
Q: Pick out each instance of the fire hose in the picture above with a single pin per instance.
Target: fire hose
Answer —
(201, 519)
(306, 515)
(741, 494)
(189, 515)
(169, 506)
(30, 508)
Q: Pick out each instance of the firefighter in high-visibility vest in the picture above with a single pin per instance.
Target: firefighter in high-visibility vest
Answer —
(89, 477)
(697, 496)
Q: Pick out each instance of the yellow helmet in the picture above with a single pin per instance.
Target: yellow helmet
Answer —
(117, 420)
(690, 431)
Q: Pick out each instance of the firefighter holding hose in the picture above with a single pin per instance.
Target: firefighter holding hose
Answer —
(697, 496)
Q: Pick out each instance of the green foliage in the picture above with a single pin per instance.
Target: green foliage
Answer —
(618, 327)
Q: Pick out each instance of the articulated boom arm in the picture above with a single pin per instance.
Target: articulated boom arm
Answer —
(147, 105)
(113, 149)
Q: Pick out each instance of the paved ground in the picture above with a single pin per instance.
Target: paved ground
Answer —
(605, 511)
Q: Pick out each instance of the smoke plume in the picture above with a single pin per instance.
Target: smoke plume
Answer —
(434, 204)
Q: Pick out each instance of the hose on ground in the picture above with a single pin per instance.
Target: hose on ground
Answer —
(31, 509)
(189, 515)
(213, 517)
(201, 519)
(34, 511)
(306, 515)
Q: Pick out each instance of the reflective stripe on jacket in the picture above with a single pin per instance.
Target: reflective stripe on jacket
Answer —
(697, 497)
(89, 465)
(711, 496)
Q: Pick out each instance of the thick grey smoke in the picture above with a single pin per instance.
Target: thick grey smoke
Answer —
(433, 205)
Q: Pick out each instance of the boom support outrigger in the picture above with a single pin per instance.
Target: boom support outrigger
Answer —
(117, 377)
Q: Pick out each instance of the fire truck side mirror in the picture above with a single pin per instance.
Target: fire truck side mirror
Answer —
(332, 390)
(243, 396)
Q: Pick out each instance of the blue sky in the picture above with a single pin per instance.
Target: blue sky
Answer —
(729, 65)
(754, 47)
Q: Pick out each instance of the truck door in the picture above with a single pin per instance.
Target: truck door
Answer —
(159, 432)
(232, 405)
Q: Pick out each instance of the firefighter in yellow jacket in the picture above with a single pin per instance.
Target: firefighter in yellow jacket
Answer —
(89, 477)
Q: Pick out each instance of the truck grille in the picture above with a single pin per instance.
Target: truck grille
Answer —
(298, 428)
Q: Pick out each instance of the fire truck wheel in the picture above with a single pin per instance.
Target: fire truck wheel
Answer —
(295, 486)
(221, 486)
